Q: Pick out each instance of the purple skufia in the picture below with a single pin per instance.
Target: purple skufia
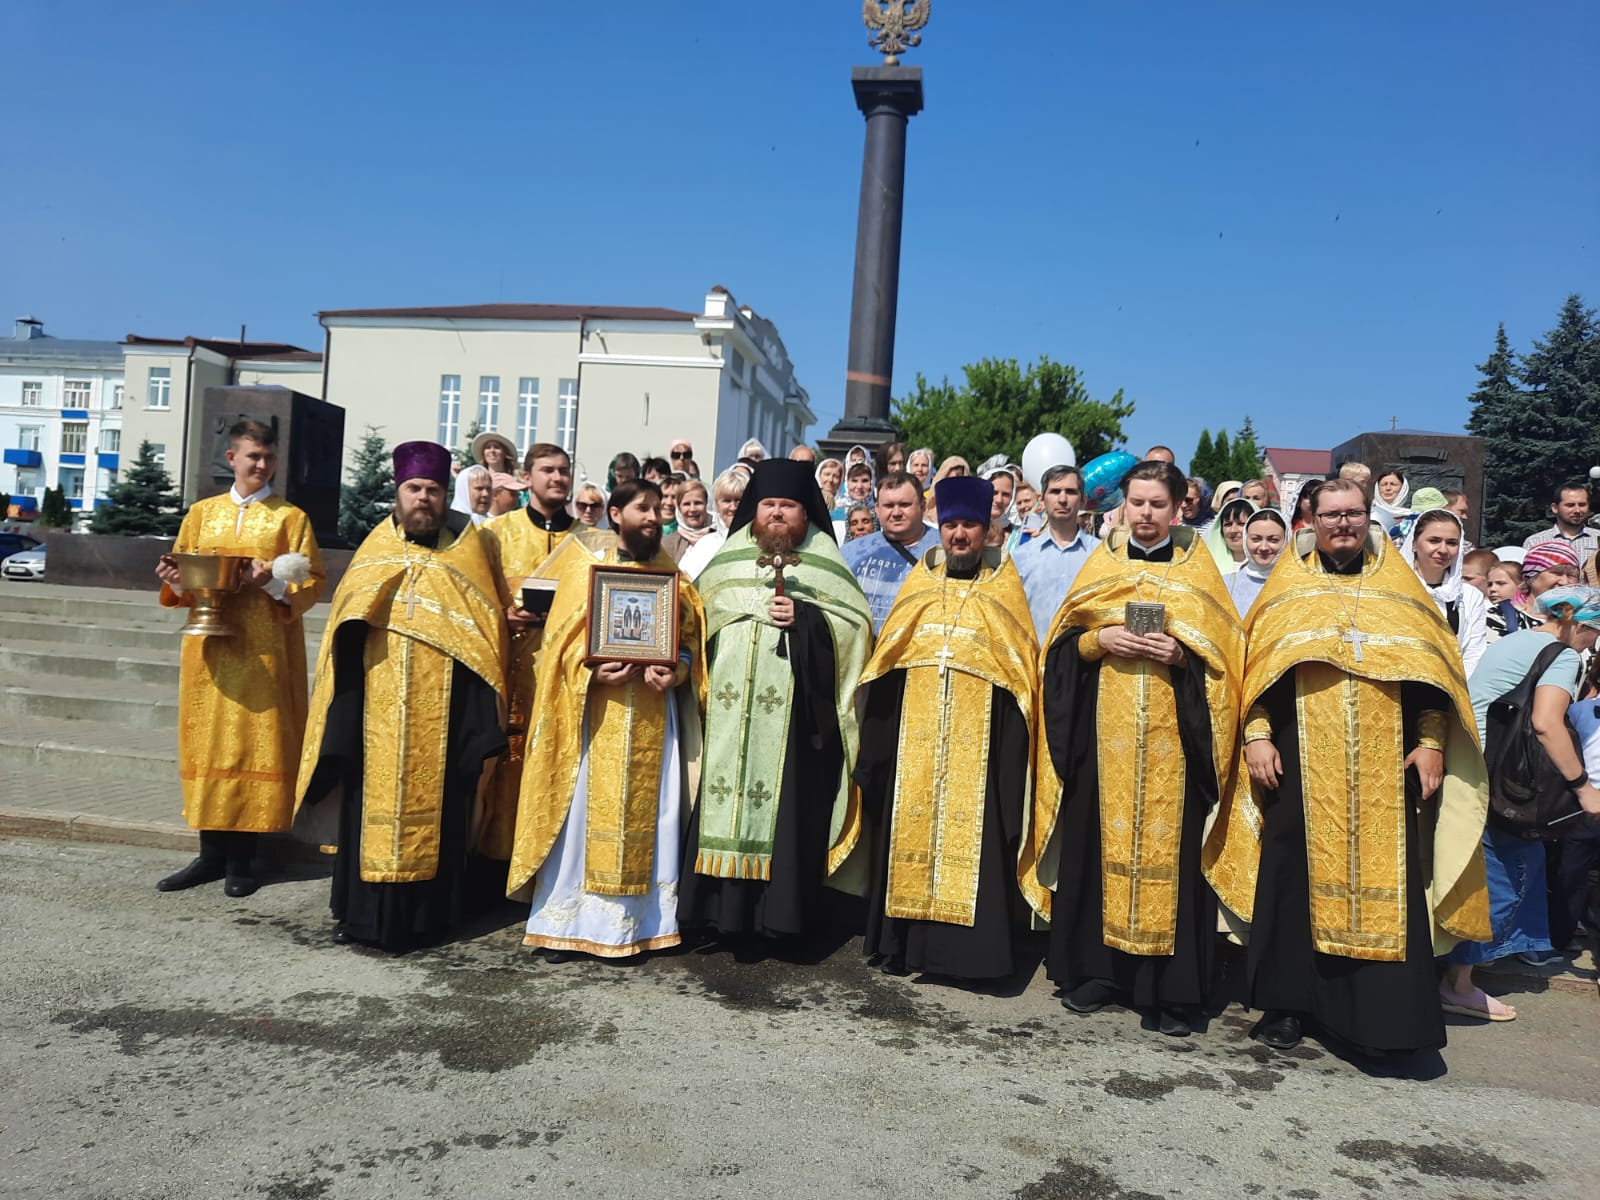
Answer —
(964, 498)
(422, 460)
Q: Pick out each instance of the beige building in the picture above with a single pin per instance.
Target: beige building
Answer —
(166, 381)
(596, 380)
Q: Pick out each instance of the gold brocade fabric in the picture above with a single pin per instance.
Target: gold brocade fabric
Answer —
(425, 609)
(523, 549)
(1140, 760)
(955, 639)
(626, 728)
(242, 699)
(1300, 623)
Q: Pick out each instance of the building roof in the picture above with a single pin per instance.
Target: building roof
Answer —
(276, 351)
(520, 312)
(44, 347)
(1299, 462)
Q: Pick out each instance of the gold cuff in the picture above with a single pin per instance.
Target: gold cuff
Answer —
(1089, 647)
(1258, 725)
(1433, 731)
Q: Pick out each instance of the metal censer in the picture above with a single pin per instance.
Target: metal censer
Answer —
(208, 577)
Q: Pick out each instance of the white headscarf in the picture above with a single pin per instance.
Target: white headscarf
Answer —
(1389, 513)
(462, 502)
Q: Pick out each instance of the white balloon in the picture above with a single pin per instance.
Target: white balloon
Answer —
(1043, 452)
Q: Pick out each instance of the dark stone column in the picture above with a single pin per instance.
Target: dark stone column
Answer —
(888, 97)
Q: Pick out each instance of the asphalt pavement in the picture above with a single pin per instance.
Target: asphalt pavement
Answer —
(189, 1045)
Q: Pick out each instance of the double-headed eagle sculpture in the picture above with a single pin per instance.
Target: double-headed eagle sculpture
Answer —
(894, 25)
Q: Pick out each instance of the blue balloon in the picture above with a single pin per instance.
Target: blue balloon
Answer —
(1102, 479)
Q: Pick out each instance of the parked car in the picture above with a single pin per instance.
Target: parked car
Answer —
(25, 564)
(11, 542)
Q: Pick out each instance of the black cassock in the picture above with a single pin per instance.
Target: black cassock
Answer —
(400, 916)
(1078, 952)
(985, 949)
(790, 903)
(1375, 1007)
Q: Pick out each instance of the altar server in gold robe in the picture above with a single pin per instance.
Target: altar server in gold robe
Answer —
(406, 713)
(242, 696)
(1352, 838)
(613, 756)
(1140, 726)
(946, 756)
(525, 538)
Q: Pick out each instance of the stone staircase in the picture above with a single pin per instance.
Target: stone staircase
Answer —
(89, 711)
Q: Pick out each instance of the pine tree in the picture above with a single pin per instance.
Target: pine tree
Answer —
(1203, 463)
(1222, 452)
(1510, 424)
(54, 512)
(1563, 373)
(1246, 454)
(369, 496)
(141, 501)
(463, 453)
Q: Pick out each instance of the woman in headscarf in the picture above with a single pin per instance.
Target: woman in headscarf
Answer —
(477, 483)
(830, 478)
(919, 465)
(1225, 538)
(694, 520)
(1544, 566)
(1433, 548)
(951, 468)
(1227, 490)
(1389, 493)
(1265, 535)
(1519, 913)
(1426, 500)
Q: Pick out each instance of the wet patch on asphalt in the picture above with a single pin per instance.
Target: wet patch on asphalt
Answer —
(1073, 1180)
(1442, 1161)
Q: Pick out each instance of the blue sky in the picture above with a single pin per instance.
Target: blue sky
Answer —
(1313, 214)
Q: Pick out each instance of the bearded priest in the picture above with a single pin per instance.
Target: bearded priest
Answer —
(242, 698)
(406, 715)
(787, 633)
(611, 757)
(1139, 691)
(946, 754)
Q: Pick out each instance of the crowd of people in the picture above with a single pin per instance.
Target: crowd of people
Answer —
(661, 708)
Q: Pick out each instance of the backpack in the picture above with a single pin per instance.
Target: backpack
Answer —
(1528, 798)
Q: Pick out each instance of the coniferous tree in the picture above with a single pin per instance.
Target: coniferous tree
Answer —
(1246, 454)
(141, 501)
(1204, 462)
(1223, 454)
(54, 512)
(369, 495)
(463, 452)
(1514, 429)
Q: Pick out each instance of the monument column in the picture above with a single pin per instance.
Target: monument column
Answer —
(888, 97)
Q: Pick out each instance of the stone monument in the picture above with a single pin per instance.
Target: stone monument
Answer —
(888, 96)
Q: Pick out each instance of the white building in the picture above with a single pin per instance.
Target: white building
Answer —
(61, 406)
(596, 380)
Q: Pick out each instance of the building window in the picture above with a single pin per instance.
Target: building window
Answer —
(567, 415)
(116, 395)
(27, 480)
(449, 409)
(32, 393)
(75, 393)
(527, 412)
(74, 437)
(158, 453)
(110, 441)
(488, 402)
(160, 393)
(72, 482)
(28, 436)
(736, 365)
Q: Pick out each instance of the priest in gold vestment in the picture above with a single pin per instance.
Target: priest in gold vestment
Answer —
(612, 758)
(525, 537)
(946, 755)
(406, 714)
(1351, 841)
(242, 697)
(1139, 729)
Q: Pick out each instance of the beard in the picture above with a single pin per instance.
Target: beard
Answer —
(963, 563)
(776, 538)
(420, 522)
(641, 546)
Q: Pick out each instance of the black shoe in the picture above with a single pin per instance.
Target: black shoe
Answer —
(1173, 1022)
(1280, 1030)
(201, 870)
(240, 885)
(894, 964)
(1090, 997)
(341, 935)
(557, 957)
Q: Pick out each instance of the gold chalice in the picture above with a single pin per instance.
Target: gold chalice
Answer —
(209, 577)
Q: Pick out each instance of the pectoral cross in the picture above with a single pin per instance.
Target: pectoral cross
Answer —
(411, 597)
(1355, 638)
(945, 656)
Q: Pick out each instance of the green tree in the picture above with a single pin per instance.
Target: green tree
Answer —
(1204, 462)
(463, 452)
(54, 512)
(1224, 455)
(368, 497)
(1001, 405)
(1515, 428)
(141, 501)
(5, 504)
(1246, 462)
